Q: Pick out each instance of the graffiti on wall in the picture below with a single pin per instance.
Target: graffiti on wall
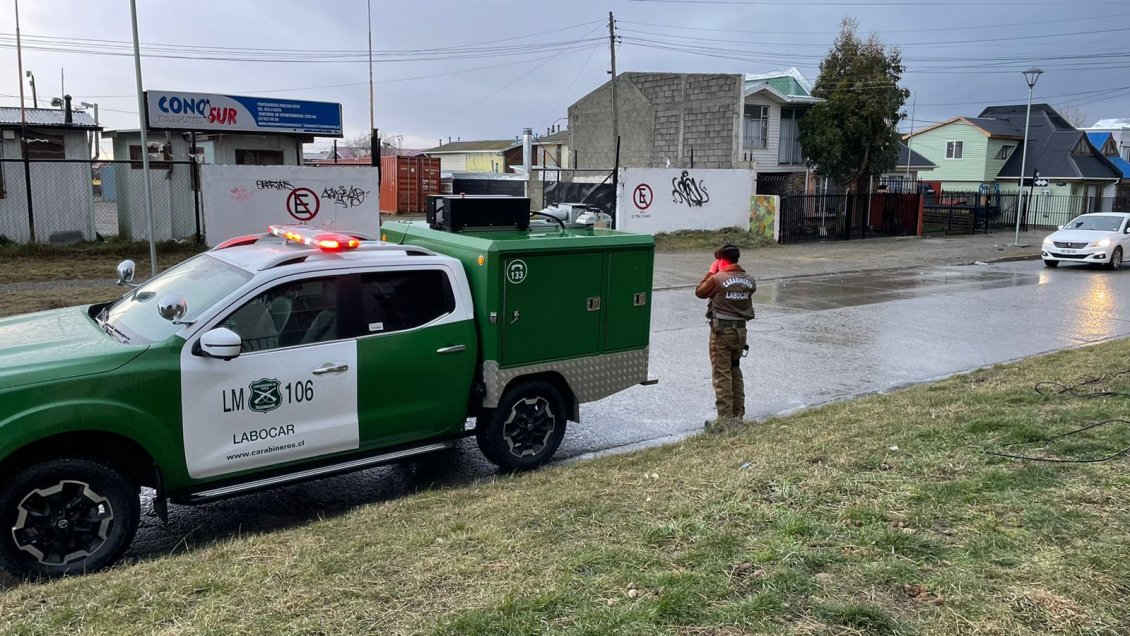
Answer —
(763, 215)
(686, 190)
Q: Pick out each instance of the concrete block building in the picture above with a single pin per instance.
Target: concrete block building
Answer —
(701, 120)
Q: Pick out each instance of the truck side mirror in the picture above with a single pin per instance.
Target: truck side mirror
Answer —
(222, 343)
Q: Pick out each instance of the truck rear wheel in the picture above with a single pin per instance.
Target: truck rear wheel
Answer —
(66, 516)
(526, 428)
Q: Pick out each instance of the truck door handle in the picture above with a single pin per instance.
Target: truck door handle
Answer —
(330, 367)
(516, 317)
(451, 349)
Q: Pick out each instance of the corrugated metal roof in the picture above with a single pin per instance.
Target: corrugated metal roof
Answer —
(10, 115)
(489, 145)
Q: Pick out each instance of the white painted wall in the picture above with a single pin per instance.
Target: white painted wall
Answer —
(240, 200)
(696, 200)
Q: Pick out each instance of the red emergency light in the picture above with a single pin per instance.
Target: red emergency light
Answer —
(311, 237)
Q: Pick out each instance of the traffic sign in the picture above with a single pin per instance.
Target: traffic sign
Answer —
(303, 204)
(1041, 183)
(643, 196)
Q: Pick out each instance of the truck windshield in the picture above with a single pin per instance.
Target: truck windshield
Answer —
(1101, 223)
(202, 280)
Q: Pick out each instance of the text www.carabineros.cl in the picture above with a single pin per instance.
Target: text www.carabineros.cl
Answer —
(264, 451)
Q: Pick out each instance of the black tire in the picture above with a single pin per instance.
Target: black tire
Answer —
(1052, 264)
(1115, 259)
(66, 516)
(526, 428)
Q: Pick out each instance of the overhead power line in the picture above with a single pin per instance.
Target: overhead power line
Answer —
(997, 27)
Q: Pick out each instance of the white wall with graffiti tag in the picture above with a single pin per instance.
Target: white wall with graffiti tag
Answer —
(242, 200)
(656, 200)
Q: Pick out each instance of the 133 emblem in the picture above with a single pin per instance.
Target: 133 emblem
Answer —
(265, 395)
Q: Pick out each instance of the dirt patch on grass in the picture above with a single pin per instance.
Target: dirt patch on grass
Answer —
(709, 240)
(84, 261)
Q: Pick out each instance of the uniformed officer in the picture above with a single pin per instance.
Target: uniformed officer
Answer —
(729, 289)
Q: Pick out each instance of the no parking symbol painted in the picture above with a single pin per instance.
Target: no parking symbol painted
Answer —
(303, 204)
(642, 196)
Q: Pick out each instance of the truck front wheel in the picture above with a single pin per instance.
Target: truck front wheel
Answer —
(526, 428)
(66, 516)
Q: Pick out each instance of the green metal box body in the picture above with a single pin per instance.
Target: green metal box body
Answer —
(552, 295)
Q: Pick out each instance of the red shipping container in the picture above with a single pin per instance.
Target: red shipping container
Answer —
(406, 183)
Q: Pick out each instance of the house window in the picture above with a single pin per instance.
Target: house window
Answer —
(43, 146)
(1004, 152)
(158, 156)
(954, 149)
(1082, 148)
(755, 133)
(789, 153)
(244, 157)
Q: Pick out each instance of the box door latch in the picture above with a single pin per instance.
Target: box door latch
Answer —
(639, 299)
(593, 304)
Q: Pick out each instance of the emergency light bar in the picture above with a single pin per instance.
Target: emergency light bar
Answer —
(312, 237)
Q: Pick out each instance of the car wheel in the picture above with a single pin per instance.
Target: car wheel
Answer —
(1115, 259)
(1051, 263)
(526, 428)
(66, 516)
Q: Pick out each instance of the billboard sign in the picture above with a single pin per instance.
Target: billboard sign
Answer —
(206, 112)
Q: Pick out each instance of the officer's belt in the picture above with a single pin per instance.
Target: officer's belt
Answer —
(718, 323)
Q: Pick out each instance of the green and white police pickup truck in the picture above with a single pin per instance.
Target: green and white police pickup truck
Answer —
(298, 354)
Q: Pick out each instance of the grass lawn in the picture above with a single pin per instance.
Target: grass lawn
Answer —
(42, 262)
(878, 516)
(708, 240)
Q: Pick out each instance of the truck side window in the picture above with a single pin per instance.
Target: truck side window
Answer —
(395, 301)
(295, 313)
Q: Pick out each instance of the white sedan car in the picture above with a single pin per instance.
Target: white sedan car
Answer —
(1101, 237)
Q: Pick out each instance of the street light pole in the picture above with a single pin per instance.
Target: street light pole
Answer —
(144, 141)
(1030, 76)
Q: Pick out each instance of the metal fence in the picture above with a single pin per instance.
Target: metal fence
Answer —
(969, 212)
(848, 216)
(72, 200)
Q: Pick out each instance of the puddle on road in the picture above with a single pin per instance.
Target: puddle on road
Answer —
(835, 291)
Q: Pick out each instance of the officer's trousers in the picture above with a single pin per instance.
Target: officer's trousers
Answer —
(727, 342)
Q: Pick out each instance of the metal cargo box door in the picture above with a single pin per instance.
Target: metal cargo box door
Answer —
(628, 316)
(552, 307)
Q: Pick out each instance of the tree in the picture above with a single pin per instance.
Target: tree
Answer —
(853, 133)
(362, 144)
(1074, 115)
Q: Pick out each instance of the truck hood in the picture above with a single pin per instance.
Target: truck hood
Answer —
(56, 345)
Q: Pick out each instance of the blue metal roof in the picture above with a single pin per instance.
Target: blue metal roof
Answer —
(1098, 140)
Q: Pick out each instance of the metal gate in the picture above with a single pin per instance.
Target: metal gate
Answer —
(846, 216)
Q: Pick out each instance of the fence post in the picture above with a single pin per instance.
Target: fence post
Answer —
(27, 185)
(921, 214)
(196, 193)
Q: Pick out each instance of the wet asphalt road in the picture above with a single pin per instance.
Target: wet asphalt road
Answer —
(816, 339)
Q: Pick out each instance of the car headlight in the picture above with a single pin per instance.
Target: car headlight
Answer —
(1047, 240)
(1102, 243)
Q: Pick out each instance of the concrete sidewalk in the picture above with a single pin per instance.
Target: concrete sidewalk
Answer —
(686, 268)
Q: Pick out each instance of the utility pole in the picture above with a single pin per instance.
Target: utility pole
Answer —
(23, 131)
(374, 147)
(612, 53)
(910, 139)
(34, 97)
(144, 140)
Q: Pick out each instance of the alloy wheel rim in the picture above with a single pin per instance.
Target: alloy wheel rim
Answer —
(62, 523)
(528, 428)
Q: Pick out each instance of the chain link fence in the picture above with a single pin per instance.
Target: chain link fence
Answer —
(81, 200)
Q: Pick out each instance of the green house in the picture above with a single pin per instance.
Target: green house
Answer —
(988, 150)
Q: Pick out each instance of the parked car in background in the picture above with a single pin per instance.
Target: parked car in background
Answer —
(1098, 238)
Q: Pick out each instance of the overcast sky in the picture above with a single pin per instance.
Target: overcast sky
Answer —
(518, 64)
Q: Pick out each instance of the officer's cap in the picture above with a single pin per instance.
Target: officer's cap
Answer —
(729, 251)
